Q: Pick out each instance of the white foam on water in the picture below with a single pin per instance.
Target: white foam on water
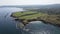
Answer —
(37, 22)
(26, 30)
(40, 32)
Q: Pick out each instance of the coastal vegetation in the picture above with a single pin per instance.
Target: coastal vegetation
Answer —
(27, 16)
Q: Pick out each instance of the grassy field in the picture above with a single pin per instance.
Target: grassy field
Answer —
(28, 15)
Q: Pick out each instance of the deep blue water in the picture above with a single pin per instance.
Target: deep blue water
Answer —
(8, 24)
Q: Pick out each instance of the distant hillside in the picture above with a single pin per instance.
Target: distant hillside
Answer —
(34, 6)
(50, 9)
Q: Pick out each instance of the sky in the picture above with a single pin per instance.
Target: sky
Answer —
(28, 2)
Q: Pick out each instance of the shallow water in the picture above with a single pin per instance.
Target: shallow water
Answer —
(38, 27)
(8, 24)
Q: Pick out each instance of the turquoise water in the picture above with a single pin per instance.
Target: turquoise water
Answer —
(8, 24)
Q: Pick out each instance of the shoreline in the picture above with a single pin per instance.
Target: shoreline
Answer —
(24, 21)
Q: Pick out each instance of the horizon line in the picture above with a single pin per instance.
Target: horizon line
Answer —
(28, 5)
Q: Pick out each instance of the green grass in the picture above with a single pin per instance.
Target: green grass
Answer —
(19, 15)
(32, 16)
(22, 13)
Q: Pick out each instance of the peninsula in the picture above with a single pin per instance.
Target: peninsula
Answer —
(27, 16)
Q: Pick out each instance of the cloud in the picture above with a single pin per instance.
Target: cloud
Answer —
(28, 2)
